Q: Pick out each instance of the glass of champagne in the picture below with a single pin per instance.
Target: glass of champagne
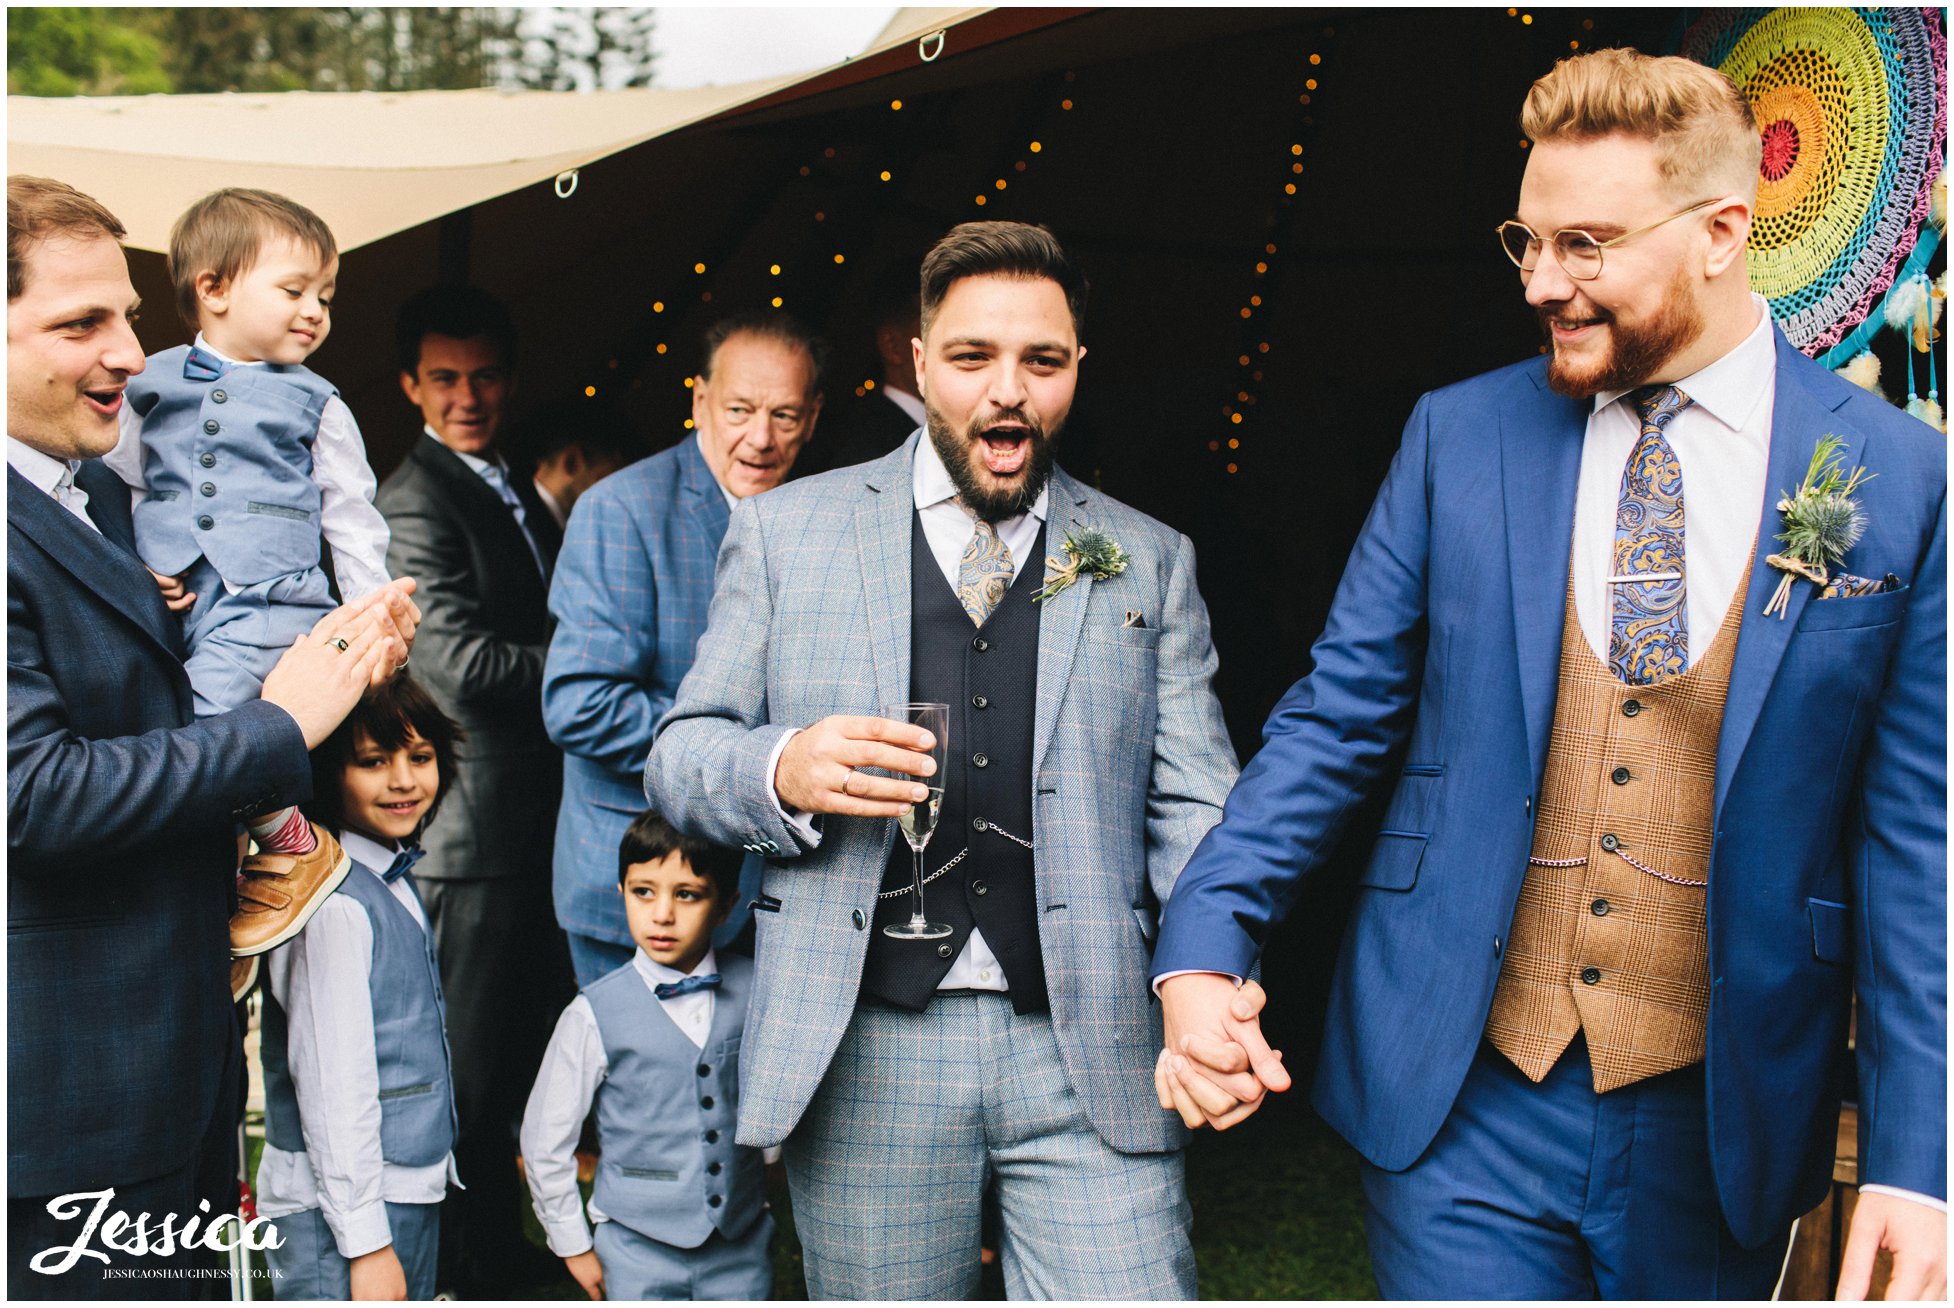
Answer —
(919, 823)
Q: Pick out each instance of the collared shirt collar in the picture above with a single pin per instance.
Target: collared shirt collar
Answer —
(909, 404)
(1731, 388)
(44, 470)
(930, 481)
(222, 357)
(475, 464)
(656, 973)
(362, 848)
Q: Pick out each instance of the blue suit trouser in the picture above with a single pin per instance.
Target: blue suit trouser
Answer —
(1552, 1191)
(637, 1267)
(308, 1264)
(235, 639)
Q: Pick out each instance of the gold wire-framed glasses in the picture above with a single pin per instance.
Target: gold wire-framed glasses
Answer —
(1578, 253)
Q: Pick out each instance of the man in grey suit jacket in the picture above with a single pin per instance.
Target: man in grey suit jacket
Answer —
(1086, 758)
(480, 542)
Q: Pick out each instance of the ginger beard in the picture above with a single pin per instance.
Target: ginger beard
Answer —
(1636, 349)
(998, 467)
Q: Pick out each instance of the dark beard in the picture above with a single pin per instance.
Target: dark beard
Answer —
(993, 505)
(1636, 353)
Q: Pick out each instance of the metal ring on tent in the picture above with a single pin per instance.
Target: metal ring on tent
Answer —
(565, 192)
(929, 56)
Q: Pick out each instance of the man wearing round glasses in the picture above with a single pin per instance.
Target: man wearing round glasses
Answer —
(1645, 840)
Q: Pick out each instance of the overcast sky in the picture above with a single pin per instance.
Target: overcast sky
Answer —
(700, 46)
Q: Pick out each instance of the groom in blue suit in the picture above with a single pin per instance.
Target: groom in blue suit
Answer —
(1647, 834)
(633, 582)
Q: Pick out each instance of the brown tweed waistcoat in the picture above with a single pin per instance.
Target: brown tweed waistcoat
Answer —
(1599, 944)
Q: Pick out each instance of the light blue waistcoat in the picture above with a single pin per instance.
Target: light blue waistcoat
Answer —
(666, 1110)
(417, 1106)
(228, 465)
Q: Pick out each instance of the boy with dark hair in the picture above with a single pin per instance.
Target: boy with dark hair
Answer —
(679, 1209)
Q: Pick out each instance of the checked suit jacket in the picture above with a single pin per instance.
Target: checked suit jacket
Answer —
(1435, 677)
(632, 587)
(120, 842)
(811, 617)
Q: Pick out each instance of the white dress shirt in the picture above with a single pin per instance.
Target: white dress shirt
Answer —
(347, 518)
(551, 503)
(52, 475)
(947, 529)
(321, 979)
(496, 474)
(1723, 443)
(574, 1066)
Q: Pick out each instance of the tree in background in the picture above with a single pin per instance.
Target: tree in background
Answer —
(81, 52)
(564, 49)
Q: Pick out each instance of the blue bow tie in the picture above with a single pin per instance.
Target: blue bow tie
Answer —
(403, 864)
(201, 365)
(690, 985)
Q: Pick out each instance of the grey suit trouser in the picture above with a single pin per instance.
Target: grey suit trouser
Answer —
(919, 1113)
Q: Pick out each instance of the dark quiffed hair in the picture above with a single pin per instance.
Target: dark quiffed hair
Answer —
(40, 207)
(651, 838)
(387, 717)
(775, 325)
(599, 428)
(463, 312)
(1001, 249)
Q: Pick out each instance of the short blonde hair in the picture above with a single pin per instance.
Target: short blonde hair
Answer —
(222, 233)
(1697, 118)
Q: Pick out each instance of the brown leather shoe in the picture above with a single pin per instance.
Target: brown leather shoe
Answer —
(278, 893)
(244, 975)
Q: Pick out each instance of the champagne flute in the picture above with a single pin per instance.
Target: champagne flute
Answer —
(918, 823)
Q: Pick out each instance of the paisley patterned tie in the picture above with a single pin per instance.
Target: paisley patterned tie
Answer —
(1649, 638)
(984, 573)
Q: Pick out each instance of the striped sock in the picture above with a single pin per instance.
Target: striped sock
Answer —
(283, 832)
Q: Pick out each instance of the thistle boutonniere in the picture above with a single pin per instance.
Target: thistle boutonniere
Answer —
(1090, 551)
(1821, 522)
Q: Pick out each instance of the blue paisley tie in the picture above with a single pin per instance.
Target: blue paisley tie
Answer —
(1648, 639)
(984, 572)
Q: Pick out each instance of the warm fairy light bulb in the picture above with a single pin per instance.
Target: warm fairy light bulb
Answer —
(776, 301)
(773, 269)
(1233, 443)
(895, 104)
(688, 383)
(868, 384)
(1065, 104)
(1248, 313)
(1231, 469)
(1000, 183)
(1036, 146)
(661, 347)
(590, 390)
(1260, 268)
(1235, 417)
(1289, 188)
(1295, 149)
(658, 306)
(982, 200)
(1243, 361)
(1316, 59)
(698, 267)
(688, 424)
(839, 258)
(885, 174)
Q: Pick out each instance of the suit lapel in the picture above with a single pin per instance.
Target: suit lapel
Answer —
(1062, 617)
(491, 515)
(882, 541)
(97, 563)
(1540, 440)
(1800, 418)
(705, 502)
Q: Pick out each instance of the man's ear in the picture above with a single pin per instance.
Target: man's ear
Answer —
(410, 386)
(1729, 233)
(916, 352)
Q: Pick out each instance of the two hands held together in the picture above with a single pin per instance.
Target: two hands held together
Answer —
(1215, 1067)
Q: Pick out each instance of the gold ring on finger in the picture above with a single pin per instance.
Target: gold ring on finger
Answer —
(338, 643)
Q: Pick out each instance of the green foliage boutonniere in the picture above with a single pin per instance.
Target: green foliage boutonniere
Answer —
(1821, 523)
(1091, 552)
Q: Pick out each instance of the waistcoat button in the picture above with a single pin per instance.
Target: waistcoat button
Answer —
(218, 397)
(206, 522)
(705, 1069)
(713, 1169)
(1590, 975)
(981, 760)
(978, 701)
(979, 888)
(208, 488)
(1600, 907)
(944, 951)
(705, 1102)
(210, 426)
(979, 644)
(978, 824)
(1611, 842)
(714, 1202)
(208, 460)
(712, 1137)
(1630, 707)
(1619, 776)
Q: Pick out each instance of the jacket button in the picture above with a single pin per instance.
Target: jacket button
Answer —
(1631, 707)
(1619, 776)
(1600, 907)
(208, 488)
(714, 1202)
(860, 919)
(210, 426)
(713, 1169)
(712, 1137)
(206, 522)
(978, 701)
(208, 460)
(1611, 842)
(705, 1069)
(943, 951)
(981, 760)
(1590, 975)
(706, 1102)
(218, 397)
(979, 888)
(979, 644)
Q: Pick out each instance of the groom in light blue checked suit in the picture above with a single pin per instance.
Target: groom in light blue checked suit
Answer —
(1086, 758)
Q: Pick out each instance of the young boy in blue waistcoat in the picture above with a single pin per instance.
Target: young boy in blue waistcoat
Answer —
(679, 1209)
(244, 459)
(359, 1100)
